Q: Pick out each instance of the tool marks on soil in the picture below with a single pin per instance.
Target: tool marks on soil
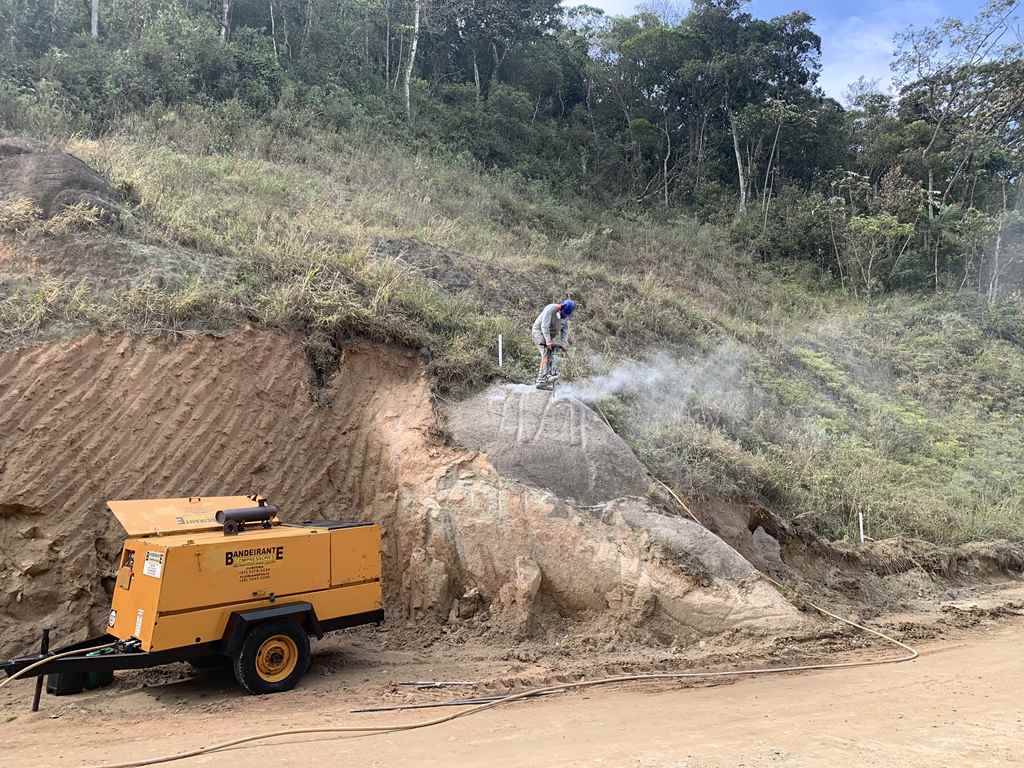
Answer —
(98, 418)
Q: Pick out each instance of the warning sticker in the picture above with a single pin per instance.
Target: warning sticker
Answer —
(154, 565)
(139, 616)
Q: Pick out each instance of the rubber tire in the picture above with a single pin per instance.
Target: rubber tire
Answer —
(244, 664)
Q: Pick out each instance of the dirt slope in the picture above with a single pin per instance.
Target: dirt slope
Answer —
(96, 418)
(99, 418)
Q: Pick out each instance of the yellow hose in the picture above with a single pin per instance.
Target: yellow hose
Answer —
(910, 655)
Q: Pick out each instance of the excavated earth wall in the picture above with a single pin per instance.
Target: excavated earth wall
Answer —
(97, 418)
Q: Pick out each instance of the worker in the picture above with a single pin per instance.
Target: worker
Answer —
(551, 334)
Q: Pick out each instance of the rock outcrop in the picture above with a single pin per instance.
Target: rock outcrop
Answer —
(560, 445)
(51, 179)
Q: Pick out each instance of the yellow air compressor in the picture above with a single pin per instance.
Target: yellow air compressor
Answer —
(222, 580)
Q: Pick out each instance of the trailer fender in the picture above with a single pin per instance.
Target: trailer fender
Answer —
(241, 621)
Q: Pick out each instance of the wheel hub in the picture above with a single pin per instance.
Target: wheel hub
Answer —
(277, 658)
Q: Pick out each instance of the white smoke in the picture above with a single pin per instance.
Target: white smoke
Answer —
(666, 388)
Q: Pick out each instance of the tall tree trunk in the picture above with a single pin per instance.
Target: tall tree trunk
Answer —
(931, 220)
(701, 151)
(398, 62)
(476, 81)
(741, 208)
(387, 46)
(273, 28)
(410, 65)
(993, 280)
(225, 21)
(366, 37)
(766, 193)
(307, 27)
(664, 162)
(497, 59)
(94, 19)
(287, 40)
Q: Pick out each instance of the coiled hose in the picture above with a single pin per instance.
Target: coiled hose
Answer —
(910, 655)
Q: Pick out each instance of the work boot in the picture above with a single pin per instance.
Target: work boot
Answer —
(547, 380)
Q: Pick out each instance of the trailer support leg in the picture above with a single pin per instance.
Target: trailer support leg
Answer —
(44, 648)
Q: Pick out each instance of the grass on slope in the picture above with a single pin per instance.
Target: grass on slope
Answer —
(906, 410)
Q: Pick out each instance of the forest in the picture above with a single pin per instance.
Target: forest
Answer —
(704, 109)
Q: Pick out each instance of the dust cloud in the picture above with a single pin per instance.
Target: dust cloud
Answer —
(665, 388)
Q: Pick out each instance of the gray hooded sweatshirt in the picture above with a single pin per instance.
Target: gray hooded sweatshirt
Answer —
(549, 327)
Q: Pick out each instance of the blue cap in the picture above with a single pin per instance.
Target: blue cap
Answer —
(567, 307)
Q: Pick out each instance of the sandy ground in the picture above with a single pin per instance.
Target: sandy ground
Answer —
(959, 704)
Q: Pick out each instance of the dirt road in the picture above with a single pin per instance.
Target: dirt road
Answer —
(960, 704)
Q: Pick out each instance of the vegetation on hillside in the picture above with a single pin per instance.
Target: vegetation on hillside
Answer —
(713, 111)
(836, 286)
(905, 409)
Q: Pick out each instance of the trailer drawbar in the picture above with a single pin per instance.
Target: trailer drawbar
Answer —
(221, 580)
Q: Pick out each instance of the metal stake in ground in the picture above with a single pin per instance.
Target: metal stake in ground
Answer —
(44, 648)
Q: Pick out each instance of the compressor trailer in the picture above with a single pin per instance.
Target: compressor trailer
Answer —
(221, 580)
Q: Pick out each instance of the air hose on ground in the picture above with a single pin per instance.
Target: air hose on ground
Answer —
(910, 655)
(48, 659)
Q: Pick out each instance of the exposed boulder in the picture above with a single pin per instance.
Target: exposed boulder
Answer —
(559, 445)
(51, 179)
(622, 559)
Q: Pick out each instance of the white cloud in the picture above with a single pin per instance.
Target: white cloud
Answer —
(858, 46)
(852, 46)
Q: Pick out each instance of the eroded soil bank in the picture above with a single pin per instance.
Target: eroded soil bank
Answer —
(95, 418)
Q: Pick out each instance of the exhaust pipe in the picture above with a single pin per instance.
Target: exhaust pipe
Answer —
(234, 520)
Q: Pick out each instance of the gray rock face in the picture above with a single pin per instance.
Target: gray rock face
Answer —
(559, 445)
(768, 550)
(51, 179)
(684, 539)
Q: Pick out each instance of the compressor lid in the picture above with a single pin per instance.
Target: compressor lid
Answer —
(156, 517)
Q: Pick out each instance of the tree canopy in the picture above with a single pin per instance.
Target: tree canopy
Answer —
(713, 110)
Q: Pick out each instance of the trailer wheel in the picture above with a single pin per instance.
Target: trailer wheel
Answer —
(273, 656)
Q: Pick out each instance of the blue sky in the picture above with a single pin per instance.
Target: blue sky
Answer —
(856, 34)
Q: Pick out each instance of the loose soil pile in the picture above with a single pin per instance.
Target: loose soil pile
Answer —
(97, 418)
